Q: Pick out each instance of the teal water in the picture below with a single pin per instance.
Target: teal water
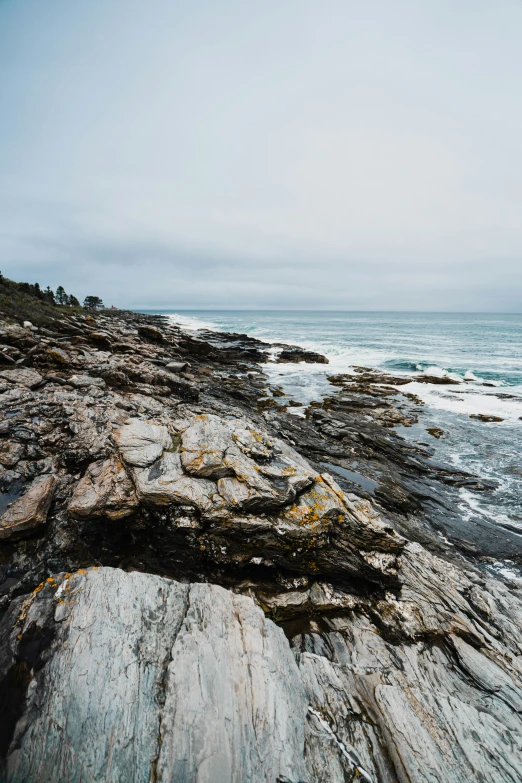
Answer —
(482, 351)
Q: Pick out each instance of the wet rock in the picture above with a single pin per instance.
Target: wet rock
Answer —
(291, 355)
(439, 380)
(29, 513)
(176, 366)
(485, 417)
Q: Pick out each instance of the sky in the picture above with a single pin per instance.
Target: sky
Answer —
(285, 154)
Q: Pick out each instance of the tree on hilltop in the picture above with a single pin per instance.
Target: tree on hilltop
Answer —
(93, 303)
(61, 296)
(49, 295)
(72, 301)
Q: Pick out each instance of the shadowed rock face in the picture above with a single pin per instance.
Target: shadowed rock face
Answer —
(263, 623)
(27, 514)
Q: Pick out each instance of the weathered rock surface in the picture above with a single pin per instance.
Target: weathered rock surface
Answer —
(104, 491)
(22, 376)
(135, 677)
(256, 497)
(29, 512)
(396, 664)
(176, 366)
(140, 678)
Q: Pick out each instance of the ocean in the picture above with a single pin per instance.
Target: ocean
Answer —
(482, 351)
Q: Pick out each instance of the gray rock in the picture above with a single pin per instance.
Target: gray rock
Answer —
(29, 513)
(165, 483)
(140, 443)
(148, 679)
(135, 677)
(83, 381)
(22, 376)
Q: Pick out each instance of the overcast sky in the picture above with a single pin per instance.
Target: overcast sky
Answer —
(345, 154)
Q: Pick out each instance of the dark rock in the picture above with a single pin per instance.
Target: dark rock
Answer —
(28, 514)
(291, 355)
(150, 333)
(176, 366)
(441, 380)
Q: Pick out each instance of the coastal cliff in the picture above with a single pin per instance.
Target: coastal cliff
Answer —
(193, 588)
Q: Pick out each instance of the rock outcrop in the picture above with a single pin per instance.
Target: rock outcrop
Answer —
(135, 677)
(186, 596)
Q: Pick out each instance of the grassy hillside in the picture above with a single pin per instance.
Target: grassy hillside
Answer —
(27, 302)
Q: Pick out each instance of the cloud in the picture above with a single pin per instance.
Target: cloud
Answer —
(264, 156)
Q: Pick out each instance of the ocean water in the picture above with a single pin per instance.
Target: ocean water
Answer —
(482, 351)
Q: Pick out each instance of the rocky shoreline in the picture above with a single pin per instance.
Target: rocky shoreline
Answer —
(197, 584)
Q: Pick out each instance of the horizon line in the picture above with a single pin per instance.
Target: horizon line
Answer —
(308, 310)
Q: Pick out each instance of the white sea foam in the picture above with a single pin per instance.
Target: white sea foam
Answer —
(477, 353)
(190, 322)
(467, 400)
(506, 569)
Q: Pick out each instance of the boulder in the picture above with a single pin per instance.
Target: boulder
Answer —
(84, 381)
(104, 491)
(141, 443)
(291, 355)
(150, 333)
(29, 512)
(176, 366)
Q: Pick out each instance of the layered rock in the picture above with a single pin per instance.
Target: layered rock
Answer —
(255, 497)
(135, 677)
(124, 442)
(140, 678)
